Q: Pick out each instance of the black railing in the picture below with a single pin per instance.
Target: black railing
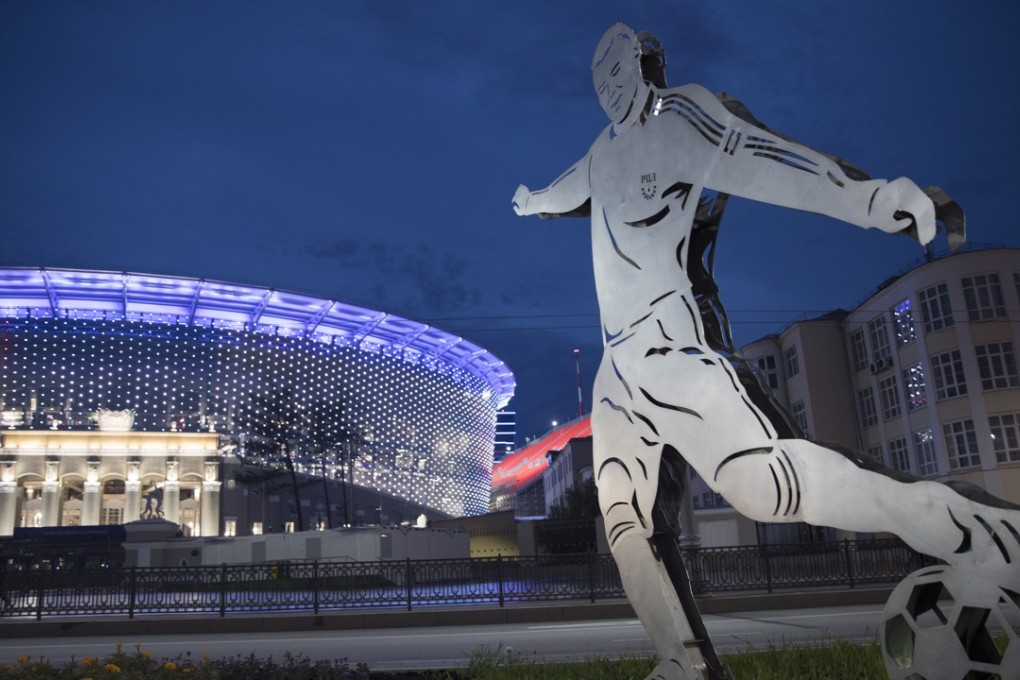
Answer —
(315, 586)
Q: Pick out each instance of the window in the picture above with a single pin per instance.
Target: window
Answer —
(997, 366)
(1006, 437)
(792, 362)
(799, 415)
(256, 528)
(935, 310)
(961, 444)
(858, 352)
(866, 407)
(767, 367)
(913, 386)
(288, 527)
(899, 459)
(230, 527)
(875, 453)
(983, 295)
(111, 515)
(924, 450)
(947, 370)
(878, 334)
(889, 395)
(903, 319)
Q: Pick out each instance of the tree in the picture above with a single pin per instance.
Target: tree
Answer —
(272, 426)
(324, 432)
(571, 527)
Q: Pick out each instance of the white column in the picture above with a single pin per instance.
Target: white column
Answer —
(133, 492)
(92, 503)
(210, 510)
(210, 520)
(172, 502)
(172, 492)
(8, 507)
(51, 495)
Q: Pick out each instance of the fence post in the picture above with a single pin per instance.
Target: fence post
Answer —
(223, 590)
(849, 561)
(132, 591)
(591, 576)
(499, 574)
(41, 594)
(315, 586)
(768, 569)
(410, 583)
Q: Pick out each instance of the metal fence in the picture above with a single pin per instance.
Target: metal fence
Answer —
(314, 586)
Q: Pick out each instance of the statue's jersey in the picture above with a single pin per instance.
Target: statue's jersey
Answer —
(643, 206)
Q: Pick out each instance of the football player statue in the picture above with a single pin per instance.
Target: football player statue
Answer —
(670, 390)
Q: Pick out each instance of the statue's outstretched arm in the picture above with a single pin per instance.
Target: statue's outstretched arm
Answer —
(568, 195)
(756, 163)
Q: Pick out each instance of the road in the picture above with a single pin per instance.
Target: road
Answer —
(451, 646)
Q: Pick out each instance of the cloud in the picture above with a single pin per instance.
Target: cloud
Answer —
(417, 279)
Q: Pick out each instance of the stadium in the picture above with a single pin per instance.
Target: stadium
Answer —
(115, 385)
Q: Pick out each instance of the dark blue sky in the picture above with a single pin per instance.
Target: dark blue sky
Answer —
(368, 150)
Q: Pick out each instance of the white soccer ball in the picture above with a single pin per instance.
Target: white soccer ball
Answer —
(939, 624)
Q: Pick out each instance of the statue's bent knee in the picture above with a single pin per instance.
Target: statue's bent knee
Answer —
(762, 483)
(618, 503)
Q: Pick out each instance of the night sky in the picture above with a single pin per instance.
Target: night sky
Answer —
(368, 150)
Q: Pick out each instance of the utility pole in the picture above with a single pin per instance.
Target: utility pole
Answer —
(580, 399)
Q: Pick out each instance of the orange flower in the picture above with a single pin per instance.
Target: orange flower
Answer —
(169, 666)
(112, 668)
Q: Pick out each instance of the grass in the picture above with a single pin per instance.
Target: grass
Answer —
(834, 660)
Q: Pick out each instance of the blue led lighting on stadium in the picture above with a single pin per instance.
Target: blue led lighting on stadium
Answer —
(81, 294)
(187, 355)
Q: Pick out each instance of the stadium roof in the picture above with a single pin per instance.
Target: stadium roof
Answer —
(85, 294)
(518, 469)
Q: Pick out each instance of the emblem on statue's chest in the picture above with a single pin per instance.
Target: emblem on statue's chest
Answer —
(648, 186)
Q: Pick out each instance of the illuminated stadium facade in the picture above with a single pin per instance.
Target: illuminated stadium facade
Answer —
(187, 355)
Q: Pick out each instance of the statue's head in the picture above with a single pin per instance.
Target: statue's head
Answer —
(625, 63)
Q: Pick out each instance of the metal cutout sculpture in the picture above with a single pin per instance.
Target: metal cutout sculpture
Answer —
(671, 390)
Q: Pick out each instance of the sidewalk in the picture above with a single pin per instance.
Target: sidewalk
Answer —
(467, 615)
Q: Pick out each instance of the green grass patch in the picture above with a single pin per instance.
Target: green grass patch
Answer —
(833, 660)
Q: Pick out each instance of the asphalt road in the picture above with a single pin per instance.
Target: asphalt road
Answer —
(452, 646)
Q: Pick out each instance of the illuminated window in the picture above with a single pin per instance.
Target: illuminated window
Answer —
(914, 387)
(256, 528)
(903, 318)
(288, 527)
(230, 526)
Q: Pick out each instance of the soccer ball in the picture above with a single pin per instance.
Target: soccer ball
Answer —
(939, 624)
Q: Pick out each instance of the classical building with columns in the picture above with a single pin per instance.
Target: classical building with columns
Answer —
(121, 398)
(79, 478)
